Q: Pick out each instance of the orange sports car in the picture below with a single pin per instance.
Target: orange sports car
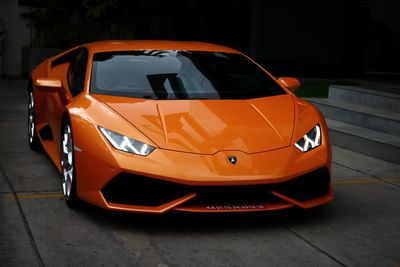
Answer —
(155, 126)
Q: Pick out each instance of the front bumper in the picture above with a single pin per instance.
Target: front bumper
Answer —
(129, 192)
(171, 180)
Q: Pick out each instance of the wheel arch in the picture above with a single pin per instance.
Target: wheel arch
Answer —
(65, 117)
(30, 85)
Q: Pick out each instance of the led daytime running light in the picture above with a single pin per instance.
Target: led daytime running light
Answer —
(126, 144)
(310, 140)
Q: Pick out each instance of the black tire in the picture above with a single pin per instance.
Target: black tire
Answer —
(67, 161)
(33, 138)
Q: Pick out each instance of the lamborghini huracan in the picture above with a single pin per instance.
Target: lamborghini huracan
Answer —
(156, 126)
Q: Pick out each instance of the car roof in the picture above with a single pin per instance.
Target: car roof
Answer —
(126, 45)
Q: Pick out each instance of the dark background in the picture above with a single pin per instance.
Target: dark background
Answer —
(326, 39)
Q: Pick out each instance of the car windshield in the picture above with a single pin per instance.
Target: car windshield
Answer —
(171, 74)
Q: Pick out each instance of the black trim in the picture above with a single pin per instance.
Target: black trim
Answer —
(132, 189)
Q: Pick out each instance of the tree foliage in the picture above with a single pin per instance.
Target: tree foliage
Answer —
(65, 23)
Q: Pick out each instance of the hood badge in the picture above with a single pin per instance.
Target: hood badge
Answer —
(232, 159)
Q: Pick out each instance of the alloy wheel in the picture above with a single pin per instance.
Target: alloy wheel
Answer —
(67, 161)
(31, 117)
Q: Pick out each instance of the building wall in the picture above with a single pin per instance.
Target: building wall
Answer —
(327, 38)
(383, 42)
(17, 35)
(298, 34)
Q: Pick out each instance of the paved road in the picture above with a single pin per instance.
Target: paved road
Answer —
(360, 228)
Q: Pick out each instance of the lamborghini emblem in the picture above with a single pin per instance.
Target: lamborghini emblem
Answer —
(232, 159)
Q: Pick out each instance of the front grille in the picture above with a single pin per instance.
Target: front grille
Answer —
(306, 187)
(133, 189)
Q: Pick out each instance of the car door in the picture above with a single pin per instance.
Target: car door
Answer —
(71, 69)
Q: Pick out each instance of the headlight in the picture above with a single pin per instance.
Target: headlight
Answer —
(127, 144)
(311, 140)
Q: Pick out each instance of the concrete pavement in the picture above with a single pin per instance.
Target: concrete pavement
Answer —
(361, 227)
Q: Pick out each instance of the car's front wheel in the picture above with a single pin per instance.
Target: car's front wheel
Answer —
(33, 139)
(68, 167)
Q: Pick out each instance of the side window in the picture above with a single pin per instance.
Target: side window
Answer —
(77, 71)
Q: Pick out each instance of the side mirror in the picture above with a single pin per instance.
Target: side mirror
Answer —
(50, 85)
(290, 83)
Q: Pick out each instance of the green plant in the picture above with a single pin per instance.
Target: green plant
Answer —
(66, 23)
(314, 88)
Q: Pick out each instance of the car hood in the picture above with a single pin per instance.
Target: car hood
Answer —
(209, 126)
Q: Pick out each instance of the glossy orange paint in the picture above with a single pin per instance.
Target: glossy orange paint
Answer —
(205, 126)
(48, 84)
(290, 83)
(193, 138)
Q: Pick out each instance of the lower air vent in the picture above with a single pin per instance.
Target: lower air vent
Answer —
(133, 189)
